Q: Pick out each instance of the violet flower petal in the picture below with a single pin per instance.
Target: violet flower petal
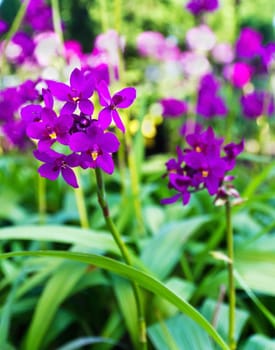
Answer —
(69, 176)
(110, 142)
(124, 97)
(79, 142)
(105, 118)
(49, 171)
(59, 90)
(117, 120)
(76, 79)
(104, 94)
(68, 108)
(106, 163)
(86, 107)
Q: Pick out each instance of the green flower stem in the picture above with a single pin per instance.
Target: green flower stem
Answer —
(57, 24)
(231, 284)
(80, 203)
(104, 16)
(13, 29)
(42, 203)
(16, 23)
(124, 252)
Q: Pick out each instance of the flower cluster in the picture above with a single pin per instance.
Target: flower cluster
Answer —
(76, 136)
(198, 7)
(209, 103)
(201, 165)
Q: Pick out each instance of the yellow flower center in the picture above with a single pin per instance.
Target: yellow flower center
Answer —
(198, 149)
(94, 155)
(204, 173)
(53, 135)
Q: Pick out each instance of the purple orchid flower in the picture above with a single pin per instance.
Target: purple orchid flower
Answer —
(56, 164)
(209, 103)
(121, 99)
(79, 91)
(232, 150)
(50, 129)
(249, 43)
(180, 183)
(209, 170)
(96, 147)
(197, 7)
(172, 107)
(205, 142)
(257, 103)
(201, 166)
(32, 112)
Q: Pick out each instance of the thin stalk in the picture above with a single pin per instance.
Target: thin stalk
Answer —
(57, 24)
(16, 23)
(124, 252)
(80, 203)
(231, 284)
(186, 268)
(104, 15)
(13, 29)
(42, 203)
(129, 146)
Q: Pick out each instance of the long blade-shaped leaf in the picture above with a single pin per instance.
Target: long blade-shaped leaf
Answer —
(143, 279)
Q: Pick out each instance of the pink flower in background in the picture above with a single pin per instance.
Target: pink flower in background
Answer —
(149, 44)
(223, 53)
(239, 74)
(194, 64)
(47, 48)
(155, 45)
(200, 38)
(72, 49)
(20, 48)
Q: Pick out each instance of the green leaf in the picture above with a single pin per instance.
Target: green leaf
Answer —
(256, 181)
(6, 313)
(62, 234)
(210, 309)
(127, 304)
(164, 250)
(179, 332)
(182, 288)
(57, 289)
(255, 262)
(254, 298)
(143, 279)
(259, 342)
(81, 342)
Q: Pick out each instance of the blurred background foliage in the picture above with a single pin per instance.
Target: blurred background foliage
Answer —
(85, 19)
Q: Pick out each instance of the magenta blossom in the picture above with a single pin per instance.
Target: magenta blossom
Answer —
(249, 43)
(204, 163)
(56, 164)
(172, 107)
(239, 74)
(50, 129)
(96, 147)
(198, 7)
(209, 103)
(257, 103)
(79, 91)
(121, 99)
